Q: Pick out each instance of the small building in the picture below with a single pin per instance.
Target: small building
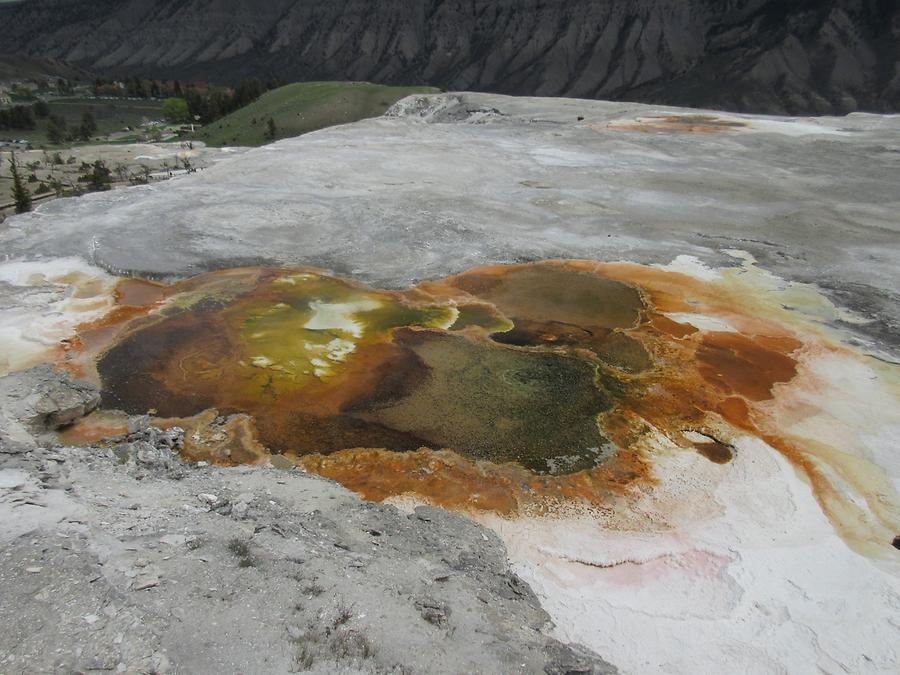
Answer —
(199, 86)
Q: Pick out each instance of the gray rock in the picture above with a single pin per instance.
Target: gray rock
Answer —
(138, 424)
(144, 581)
(575, 660)
(11, 446)
(45, 397)
(63, 401)
(151, 449)
(151, 455)
(172, 438)
(435, 612)
(36, 401)
(123, 452)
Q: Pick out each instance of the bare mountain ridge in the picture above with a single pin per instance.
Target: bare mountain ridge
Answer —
(751, 55)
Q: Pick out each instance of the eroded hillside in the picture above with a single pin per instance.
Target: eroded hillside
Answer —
(747, 55)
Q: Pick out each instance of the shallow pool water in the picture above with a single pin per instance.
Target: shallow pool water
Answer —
(492, 370)
(513, 388)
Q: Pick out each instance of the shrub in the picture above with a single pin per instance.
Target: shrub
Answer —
(240, 549)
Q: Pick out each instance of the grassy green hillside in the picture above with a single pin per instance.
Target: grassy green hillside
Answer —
(303, 107)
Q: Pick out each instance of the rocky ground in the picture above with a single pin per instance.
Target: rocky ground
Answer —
(123, 558)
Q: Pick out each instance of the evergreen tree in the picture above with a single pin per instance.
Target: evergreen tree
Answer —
(17, 117)
(21, 195)
(99, 177)
(56, 129)
(41, 109)
(270, 129)
(88, 126)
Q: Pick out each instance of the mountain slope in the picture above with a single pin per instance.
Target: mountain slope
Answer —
(751, 55)
(13, 66)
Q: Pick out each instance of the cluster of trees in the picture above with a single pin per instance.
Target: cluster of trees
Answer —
(64, 87)
(176, 110)
(216, 103)
(25, 92)
(187, 103)
(97, 176)
(134, 87)
(24, 118)
(60, 85)
(18, 117)
(58, 130)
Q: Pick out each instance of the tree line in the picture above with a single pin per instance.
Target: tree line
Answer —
(201, 103)
(194, 106)
(23, 117)
(184, 104)
(59, 131)
(136, 87)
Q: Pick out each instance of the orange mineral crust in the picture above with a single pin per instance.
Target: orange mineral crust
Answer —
(513, 389)
(684, 124)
